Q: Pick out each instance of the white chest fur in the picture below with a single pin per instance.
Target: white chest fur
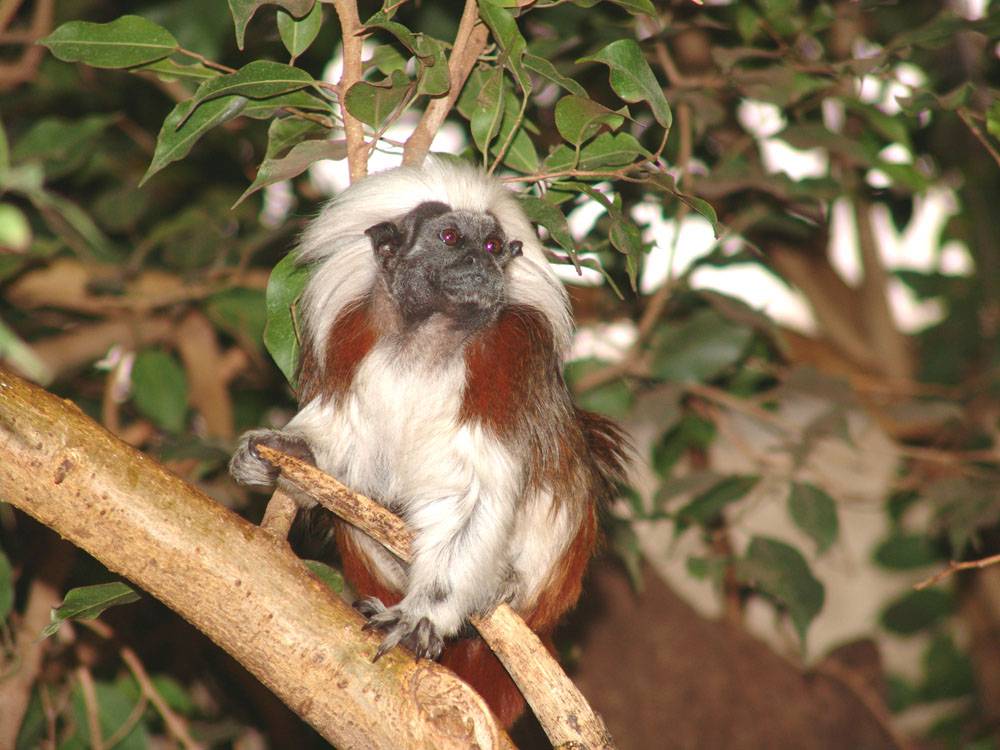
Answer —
(396, 435)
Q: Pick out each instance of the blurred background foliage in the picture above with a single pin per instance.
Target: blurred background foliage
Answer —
(785, 219)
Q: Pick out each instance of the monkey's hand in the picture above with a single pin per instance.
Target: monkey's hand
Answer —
(248, 467)
(416, 633)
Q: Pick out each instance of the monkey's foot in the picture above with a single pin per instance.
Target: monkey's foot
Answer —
(416, 633)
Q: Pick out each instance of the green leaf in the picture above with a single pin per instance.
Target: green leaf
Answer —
(88, 602)
(76, 223)
(171, 70)
(4, 151)
(265, 109)
(579, 118)
(705, 508)
(606, 150)
(632, 79)
(260, 79)
(699, 349)
(550, 217)
(508, 37)
(330, 576)
(6, 587)
(627, 239)
(433, 78)
(548, 71)
(15, 230)
(159, 389)
(299, 158)
(285, 132)
(902, 551)
(780, 572)
(15, 352)
(122, 43)
(948, 671)
(625, 544)
(60, 145)
(665, 182)
(413, 42)
(280, 335)
(372, 103)
(487, 114)
(917, 610)
(815, 513)
(181, 129)
(993, 119)
(298, 33)
(244, 10)
(613, 399)
(644, 7)
(116, 704)
(386, 59)
(174, 694)
(240, 312)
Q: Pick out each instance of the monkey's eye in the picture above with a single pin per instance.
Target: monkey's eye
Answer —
(450, 236)
(492, 245)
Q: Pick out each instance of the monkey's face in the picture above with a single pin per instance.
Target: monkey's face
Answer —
(437, 260)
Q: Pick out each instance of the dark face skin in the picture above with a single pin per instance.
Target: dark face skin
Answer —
(437, 260)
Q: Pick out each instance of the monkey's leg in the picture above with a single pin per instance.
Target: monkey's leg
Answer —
(459, 567)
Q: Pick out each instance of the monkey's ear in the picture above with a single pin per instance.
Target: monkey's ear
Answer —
(386, 240)
(515, 248)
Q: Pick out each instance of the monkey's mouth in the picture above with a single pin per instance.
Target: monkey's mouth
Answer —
(463, 284)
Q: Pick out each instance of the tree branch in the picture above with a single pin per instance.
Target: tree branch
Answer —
(354, 132)
(25, 664)
(954, 567)
(563, 712)
(470, 40)
(229, 579)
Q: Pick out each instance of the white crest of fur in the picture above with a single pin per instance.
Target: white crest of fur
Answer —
(345, 265)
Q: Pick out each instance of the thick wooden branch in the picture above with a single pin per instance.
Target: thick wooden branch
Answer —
(235, 582)
(470, 40)
(563, 712)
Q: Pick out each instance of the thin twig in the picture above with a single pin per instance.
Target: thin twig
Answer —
(174, 723)
(967, 119)
(955, 566)
(91, 707)
(130, 721)
(470, 41)
(205, 61)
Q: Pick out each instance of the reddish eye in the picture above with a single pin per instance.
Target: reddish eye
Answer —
(450, 236)
(492, 245)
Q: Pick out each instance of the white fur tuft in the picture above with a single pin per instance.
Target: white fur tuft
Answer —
(345, 264)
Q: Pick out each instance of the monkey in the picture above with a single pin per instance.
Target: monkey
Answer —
(433, 332)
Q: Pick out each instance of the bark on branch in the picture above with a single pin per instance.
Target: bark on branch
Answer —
(233, 581)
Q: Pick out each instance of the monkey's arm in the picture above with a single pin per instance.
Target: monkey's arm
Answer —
(460, 560)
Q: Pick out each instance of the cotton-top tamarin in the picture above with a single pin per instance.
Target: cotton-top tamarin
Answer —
(433, 334)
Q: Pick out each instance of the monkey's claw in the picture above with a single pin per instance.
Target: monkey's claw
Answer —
(417, 634)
